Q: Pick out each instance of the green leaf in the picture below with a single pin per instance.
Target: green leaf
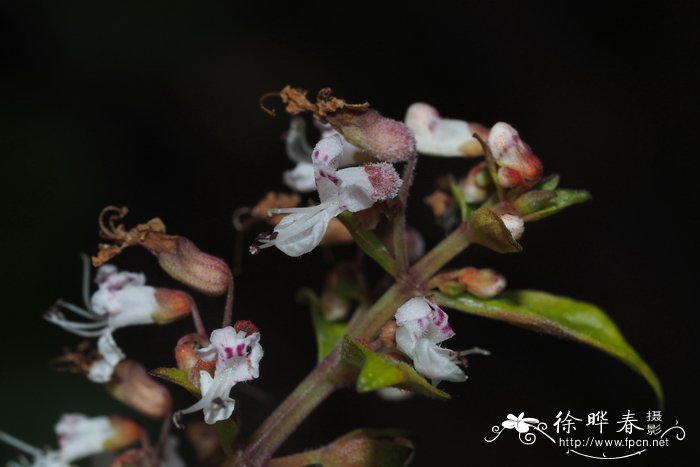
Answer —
(369, 242)
(328, 333)
(176, 376)
(378, 371)
(549, 183)
(562, 200)
(559, 316)
(487, 229)
(370, 448)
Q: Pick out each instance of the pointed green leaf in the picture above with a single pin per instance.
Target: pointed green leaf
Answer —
(487, 229)
(176, 376)
(559, 316)
(328, 333)
(378, 371)
(549, 183)
(562, 200)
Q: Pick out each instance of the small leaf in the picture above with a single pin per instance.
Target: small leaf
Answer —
(176, 376)
(548, 183)
(369, 243)
(378, 371)
(487, 229)
(559, 316)
(456, 190)
(562, 200)
(328, 333)
(370, 448)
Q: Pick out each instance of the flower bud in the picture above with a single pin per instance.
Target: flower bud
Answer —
(178, 256)
(125, 432)
(514, 224)
(201, 271)
(517, 164)
(132, 386)
(189, 361)
(484, 283)
(384, 179)
(386, 139)
(172, 305)
(475, 185)
(533, 201)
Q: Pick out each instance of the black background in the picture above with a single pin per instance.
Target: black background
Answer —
(154, 105)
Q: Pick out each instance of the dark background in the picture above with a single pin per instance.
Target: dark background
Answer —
(154, 105)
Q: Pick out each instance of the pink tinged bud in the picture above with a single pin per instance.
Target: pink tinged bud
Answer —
(189, 360)
(484, 283)
(172, 305)
(384, 179)
(126, 432)
(132, 386)
(510, 152)
(386, 139)
(475, 185)
(514, 224)
(439, 136)
(194, 268)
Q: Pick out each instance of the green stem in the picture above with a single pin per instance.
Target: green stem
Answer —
(327, 376)
(313, 390)
(369, 243)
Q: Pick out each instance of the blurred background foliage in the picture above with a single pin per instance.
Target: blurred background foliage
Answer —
(154, 105)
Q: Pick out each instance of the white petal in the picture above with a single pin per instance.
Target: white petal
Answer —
(435, 135)
(435, 363)
(80, 436)
(101, 370)
(301, 232)
(298, 149)
(414, 309)
(302, 178)
(509, 424)
(132, 306)
(325, 160)
(356, 190)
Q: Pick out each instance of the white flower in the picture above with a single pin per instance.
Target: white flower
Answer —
(237, 357)
(122, 299)
(437, 136)
(352, 189)
(78, 437)
(302, 178)
(421, 326)
(514, 224)
(522, 425)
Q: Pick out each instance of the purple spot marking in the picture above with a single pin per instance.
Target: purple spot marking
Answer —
(239, 349)
(325, 158)
(228, 351)
(316, 154)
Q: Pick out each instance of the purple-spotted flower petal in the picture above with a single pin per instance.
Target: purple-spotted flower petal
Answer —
(351, 189)
(421, 326)
(237, 355)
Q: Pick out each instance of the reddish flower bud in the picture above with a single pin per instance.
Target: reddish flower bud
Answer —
(177, 255)
(515, 158)
(246, 326)
(484, 283)
(125, 432)
(172, 305)
(189, 361)
(386, 139)
(189, 265)
(131, 385)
